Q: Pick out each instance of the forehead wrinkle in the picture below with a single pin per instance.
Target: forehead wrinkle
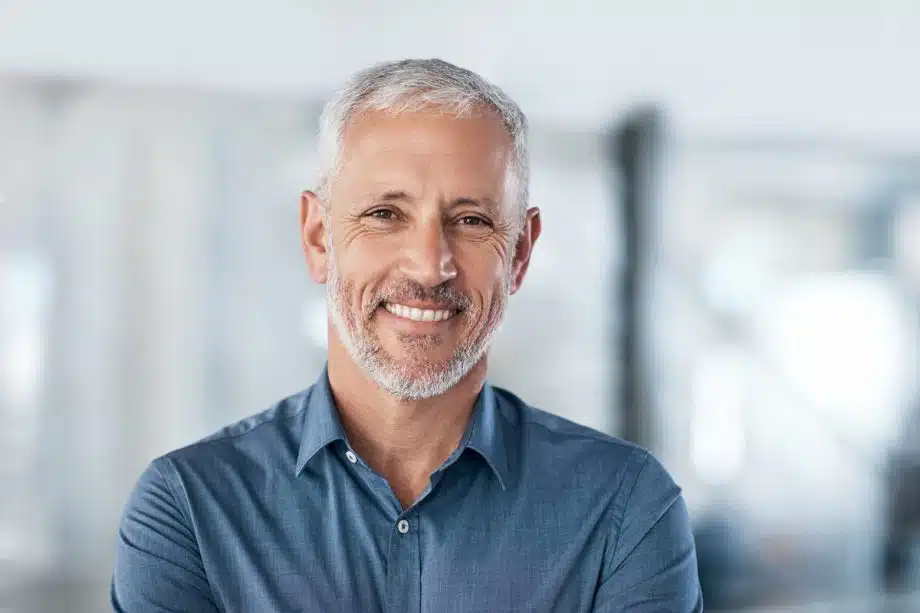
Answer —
(410, 160)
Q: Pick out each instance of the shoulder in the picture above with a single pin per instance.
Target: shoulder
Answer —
(552, 445)
(262, 441)
(563, 438)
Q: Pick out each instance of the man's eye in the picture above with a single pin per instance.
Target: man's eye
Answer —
(471, 220)
(382, 214)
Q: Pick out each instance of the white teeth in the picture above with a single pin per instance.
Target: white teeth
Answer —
(417, 314)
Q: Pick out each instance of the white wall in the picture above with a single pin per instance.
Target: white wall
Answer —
(842, 68)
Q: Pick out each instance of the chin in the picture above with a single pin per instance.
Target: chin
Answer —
(423, 348)
(416, 383)
(421, 366)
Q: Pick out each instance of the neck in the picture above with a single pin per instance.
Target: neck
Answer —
(402, 440)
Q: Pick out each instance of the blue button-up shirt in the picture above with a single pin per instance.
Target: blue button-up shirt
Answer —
(533, 513)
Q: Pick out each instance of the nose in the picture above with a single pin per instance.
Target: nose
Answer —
(429, 258)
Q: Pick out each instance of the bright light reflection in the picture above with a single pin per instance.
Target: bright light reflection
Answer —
(720, 387)
(847, 343)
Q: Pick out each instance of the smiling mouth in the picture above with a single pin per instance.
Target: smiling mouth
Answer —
(417, 314)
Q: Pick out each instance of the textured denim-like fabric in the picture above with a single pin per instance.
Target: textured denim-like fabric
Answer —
(531, 513)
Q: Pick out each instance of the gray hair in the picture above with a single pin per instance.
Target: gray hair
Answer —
(412, 85)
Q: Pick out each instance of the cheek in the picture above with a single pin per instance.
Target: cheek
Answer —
(362, 268)
(371, 253)
(486, 277)
(483, 260)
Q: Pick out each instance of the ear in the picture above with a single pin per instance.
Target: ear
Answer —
(524, 247)
(313, 235)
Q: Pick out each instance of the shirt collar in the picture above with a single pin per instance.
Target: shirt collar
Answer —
(321, 424)
(488, 437)
(485, 435)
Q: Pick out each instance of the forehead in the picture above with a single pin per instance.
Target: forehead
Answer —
(425, 150)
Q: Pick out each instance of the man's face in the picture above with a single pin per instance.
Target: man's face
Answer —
(422, 246)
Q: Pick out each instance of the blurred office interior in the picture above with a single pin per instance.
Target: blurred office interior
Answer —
(729, 271)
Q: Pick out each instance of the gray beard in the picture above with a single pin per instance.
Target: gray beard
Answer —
(407, 381)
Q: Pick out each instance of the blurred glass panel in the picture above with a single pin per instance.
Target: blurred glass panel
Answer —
(785, 309)
(25, 288)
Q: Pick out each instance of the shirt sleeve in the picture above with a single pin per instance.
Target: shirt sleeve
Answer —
(158, 567)
(652, 566)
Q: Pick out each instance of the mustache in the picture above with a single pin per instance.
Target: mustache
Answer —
(444, 295)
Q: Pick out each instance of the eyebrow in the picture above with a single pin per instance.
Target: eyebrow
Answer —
(393, 196)
(484, 202)
(401, 196)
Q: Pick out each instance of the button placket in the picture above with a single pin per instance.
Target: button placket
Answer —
(404, 579)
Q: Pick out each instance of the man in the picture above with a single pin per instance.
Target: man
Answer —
(401, 481)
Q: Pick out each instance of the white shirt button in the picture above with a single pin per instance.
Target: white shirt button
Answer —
(351, 456)
(402, 526)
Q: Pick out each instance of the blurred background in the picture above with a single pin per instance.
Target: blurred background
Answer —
(731, 258)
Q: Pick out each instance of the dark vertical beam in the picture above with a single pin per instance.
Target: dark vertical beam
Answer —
(634, 148)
